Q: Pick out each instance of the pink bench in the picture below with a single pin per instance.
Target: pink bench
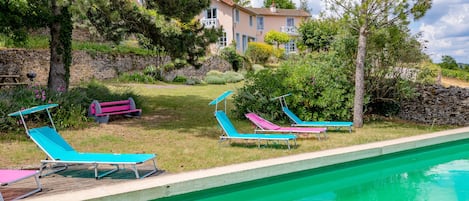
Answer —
(101, 111)
(8, 177)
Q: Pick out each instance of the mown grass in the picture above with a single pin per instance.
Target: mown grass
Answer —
(178, 125)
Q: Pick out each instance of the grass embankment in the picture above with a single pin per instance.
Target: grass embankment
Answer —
(178, 125)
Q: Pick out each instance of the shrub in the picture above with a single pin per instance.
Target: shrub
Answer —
(73, 104)
(180, 79)
(316, 95)
(259, 52)
(210, 79)
(217, 77)
(153, 71)
(458, 74)
(233, 77)
(257, 67)
(230, 55)
(137, 77)
(428, 73)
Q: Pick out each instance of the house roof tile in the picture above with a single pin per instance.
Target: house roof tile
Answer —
(280, 12)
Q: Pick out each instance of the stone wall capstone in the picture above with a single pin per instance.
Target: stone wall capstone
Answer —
(439, 105)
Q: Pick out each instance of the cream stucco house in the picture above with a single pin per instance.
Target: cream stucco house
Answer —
(245, 24)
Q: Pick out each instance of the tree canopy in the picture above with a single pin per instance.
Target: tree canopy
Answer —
(448, 62)
(176, 33)
(284, 4)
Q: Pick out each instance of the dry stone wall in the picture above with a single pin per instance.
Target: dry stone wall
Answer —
(438, 105)
(98, 66)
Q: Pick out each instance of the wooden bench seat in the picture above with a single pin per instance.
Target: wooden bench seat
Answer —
(101, 111)
(10, 80)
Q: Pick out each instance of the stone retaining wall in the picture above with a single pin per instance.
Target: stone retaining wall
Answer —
(98, 66)
(438, 105)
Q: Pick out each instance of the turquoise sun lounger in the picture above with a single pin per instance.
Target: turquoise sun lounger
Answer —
(58, 151)
(231, 132)
(298, 122)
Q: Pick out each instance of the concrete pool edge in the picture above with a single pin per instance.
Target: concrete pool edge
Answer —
(175, 184)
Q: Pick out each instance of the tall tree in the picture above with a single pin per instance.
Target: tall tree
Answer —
(448, 62)
(275, 37)
(365, 16)
(176, 32)
(304, 6)
(18, 16)
(243, 3)
(285, 4)
(318, 34)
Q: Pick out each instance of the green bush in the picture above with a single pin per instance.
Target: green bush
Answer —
(180, 79)
(154, 72)
(138, 77)
(217, 77)
(214, 73)
(259, 52)
(318, 83)
(235, 59)
(257, 67)
(428, 73)
(232, 77)
(210, 79)
(458, 74)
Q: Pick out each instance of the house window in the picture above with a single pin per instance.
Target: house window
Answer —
(290, 46)
(291, 22)
(250, 21)
(237, 16)
(260, 23)
(238, 42)
(222, 40)
(245, 43)
(211, 13)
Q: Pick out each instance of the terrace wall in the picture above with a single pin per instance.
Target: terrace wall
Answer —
(438, 105)
(100, 66)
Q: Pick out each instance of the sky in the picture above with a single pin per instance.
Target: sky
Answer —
(445, 27)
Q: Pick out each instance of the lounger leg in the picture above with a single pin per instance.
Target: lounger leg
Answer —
(151, 172)
(52, 171)
(39, 188)
(105, 173)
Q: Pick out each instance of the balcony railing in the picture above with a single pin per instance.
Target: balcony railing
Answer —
(289, 30)
(209, 23)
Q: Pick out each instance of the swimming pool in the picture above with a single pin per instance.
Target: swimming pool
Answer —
(438, 172)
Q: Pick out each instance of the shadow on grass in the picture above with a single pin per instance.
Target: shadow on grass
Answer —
(254, 145)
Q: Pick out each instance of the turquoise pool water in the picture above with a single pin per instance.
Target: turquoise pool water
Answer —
(439, 172)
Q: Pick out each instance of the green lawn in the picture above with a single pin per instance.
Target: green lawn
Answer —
(179, 126)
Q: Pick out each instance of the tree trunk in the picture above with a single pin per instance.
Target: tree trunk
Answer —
(60, 50)
(360, 79)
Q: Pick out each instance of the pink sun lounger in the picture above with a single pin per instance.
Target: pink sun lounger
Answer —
(262, 125)
(8, 177)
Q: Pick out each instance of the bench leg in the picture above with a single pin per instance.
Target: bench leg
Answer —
(103, 119)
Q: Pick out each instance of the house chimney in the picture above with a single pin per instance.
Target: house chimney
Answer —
(273, 8)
